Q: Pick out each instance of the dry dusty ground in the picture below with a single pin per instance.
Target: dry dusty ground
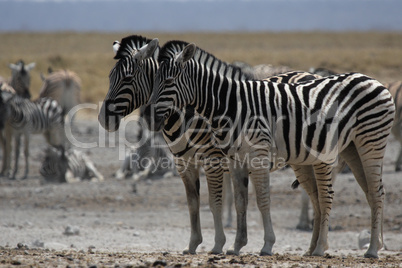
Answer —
(107, 224)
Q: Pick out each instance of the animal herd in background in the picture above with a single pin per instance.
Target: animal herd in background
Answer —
(45, 115)
(134, 74)
(132, 83)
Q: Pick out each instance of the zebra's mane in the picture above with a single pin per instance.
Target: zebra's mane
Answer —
(130, 44)
(171, 48)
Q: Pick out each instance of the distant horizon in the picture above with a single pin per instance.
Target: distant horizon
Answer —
(200, 15)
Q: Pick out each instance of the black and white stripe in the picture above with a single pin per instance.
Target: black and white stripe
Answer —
(306, 125)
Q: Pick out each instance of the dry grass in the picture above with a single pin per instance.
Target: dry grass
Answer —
(90, 54)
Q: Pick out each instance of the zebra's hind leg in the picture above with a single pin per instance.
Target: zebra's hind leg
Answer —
(190, 176)
(239, 177)
(260, 179)
(304, 219)
(214, 174)
(323, 176)
(305, 176)
(367, 170)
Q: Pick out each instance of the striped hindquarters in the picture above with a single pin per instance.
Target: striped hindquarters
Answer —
(35, 117)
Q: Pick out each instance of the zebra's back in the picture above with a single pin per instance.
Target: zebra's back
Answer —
(63, 86)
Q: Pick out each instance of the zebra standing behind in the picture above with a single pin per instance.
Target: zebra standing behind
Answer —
(21, 78)
(69, 166)
(63, 86)
(306, 125)
(26, 117)
(151, 158)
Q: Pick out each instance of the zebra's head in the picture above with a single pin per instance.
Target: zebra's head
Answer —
(21, 78)
(173, 87)
(130, 80)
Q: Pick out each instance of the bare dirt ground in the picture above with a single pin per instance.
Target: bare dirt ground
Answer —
(107, 224)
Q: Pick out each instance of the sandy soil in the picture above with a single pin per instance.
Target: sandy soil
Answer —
(107, 224)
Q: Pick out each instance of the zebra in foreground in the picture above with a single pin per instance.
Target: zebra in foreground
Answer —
(64, 86)
(21, 78)
(131, 83)
(25, 117)
(69, 166)
(307, 125)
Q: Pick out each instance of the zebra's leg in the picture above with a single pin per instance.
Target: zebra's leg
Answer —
(3, 146)
(7, 151)
(398, 162)
(367, 170)
(214, 176)
(260, 178)
(304, 219)
(323, 175)
(228, 196)
(239, 177)
(17, 155)
(190, 175)
(305, 176)
(26, 154)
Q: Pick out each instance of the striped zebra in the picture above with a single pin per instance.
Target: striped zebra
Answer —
(69, 166)
(131, 83)
(26, 117)
(64, 86)
(396, 91)
(21, 78)
(258, 124)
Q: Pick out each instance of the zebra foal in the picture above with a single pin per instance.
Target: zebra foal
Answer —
(307, 125)
(25, 117)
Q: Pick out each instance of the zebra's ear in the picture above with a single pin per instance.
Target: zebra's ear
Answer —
(147, 50)
(187, 54)
(30, 66)
(15, 67)
(116, 46)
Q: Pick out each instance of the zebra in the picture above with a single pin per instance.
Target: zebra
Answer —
(260, 123)
(64, 86)
(129, 91)
(396, 91)
(26, 117)
(21, 78)
(61, 166)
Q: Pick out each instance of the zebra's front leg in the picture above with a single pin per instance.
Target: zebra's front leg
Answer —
(305, 176)
(26, 154)
(228, 196)
(240, 186)
(16, 156)
(323, 175)
(214, 176)
(190, 177)
(260, 179)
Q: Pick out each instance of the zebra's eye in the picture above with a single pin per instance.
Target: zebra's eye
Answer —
(169, 81)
